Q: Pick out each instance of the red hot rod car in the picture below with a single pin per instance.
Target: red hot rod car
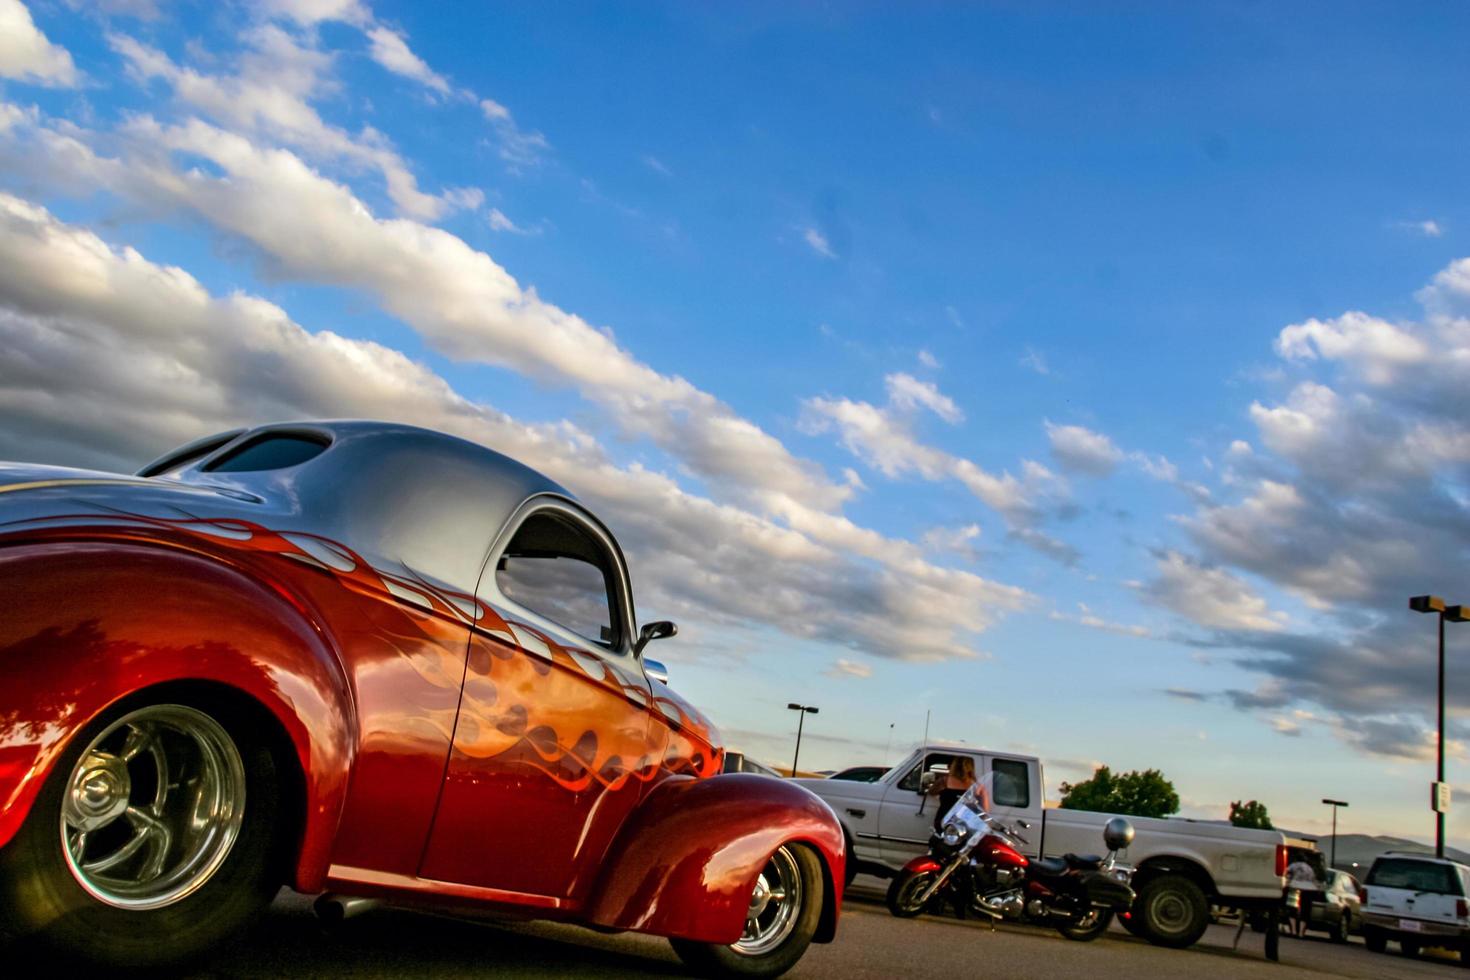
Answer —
(368, 659)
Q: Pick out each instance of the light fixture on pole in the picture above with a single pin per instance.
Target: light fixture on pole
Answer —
(1439, 793)
(805, 710)
(1332, 861)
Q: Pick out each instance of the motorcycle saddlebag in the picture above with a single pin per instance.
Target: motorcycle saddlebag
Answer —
(1108, 892)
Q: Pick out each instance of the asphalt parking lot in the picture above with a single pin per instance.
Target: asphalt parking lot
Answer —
(871, 944)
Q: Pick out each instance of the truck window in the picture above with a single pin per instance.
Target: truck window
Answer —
(1012, 782)
(935, 762)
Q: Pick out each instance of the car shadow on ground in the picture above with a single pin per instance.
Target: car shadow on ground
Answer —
(396, 942)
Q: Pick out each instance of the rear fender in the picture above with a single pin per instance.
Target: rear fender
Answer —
(87, 625)
(685, 863)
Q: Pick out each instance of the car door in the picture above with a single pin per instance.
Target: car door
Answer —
(551, 744)
(1015, 797)
(906, 816)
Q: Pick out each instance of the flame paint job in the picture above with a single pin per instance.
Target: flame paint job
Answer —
(448, 748)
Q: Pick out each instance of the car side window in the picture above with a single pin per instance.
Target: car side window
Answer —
(558, 570)
(1012, 782)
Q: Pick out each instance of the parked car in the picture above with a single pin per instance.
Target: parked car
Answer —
(1183, 866)
(373, 660)
(1416, 900)
(1338, 912)
(861, 774)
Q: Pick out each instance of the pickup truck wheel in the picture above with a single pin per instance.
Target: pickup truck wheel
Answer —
(1375, 940)
(151, 841)
(780, 921)
(1174, 910)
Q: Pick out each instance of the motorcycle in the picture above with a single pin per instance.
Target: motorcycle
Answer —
(975, 863)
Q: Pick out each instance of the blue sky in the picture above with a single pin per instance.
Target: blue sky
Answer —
(1093, 381)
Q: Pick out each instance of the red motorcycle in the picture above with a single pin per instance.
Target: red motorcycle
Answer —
(974, 863)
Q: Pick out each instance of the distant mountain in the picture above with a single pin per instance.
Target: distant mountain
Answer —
(1361, 849)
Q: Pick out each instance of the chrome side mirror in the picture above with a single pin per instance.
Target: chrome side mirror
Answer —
(926, 782)
(661, 630)
(656, 670)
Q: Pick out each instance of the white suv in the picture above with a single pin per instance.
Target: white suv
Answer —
(1418, 901)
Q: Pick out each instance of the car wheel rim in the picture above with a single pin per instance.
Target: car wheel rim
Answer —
(152, 807)
(1170, 912)
(775, 904)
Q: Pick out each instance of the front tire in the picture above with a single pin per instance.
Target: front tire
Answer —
(781, 920)
(1088, 926)
(1174, 910)
(904, 893)
(151, 842)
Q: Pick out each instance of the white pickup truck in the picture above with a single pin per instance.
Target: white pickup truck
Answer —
(1184, 867)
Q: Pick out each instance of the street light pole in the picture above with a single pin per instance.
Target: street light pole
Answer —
(1454, 614)
(1332, 861)
(804, 709)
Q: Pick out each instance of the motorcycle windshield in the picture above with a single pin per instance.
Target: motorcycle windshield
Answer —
(972, 810)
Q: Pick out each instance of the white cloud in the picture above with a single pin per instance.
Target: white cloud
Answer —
(1036, 361)
(656, 165)
(907, 392)
(271, 95)
(499, 222)
(310, 12)
(881, 437)
(818, 243)
(26, 55)
(928, 360)
(111, 358)
(1211, 597)
(960, 540)
(390, 49)
(1428, 228)
(1083, 450)
(518, 148)
(1086, 617)
(842, 667)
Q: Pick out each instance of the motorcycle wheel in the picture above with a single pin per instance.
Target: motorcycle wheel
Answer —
(903, 894)
(1087, 926)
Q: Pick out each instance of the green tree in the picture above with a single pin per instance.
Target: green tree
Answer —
(1250, 814)
(1135, 794)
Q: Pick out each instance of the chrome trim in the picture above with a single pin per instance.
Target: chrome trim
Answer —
(153, 807)
(775, 905)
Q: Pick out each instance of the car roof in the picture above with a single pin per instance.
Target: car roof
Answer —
(423, 502)
(1427, 858)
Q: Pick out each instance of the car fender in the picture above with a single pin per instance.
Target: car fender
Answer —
(685, 863)
(88, 624)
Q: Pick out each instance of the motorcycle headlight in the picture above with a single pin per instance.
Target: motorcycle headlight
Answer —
(953, 833)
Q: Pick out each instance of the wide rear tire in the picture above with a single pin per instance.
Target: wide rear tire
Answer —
(779, 932)
(152, 841)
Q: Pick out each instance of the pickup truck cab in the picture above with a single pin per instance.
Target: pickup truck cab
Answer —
(1184, 867)
(1417, 900)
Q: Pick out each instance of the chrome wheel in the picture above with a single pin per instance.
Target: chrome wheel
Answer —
(152, 807)
(775, 904)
